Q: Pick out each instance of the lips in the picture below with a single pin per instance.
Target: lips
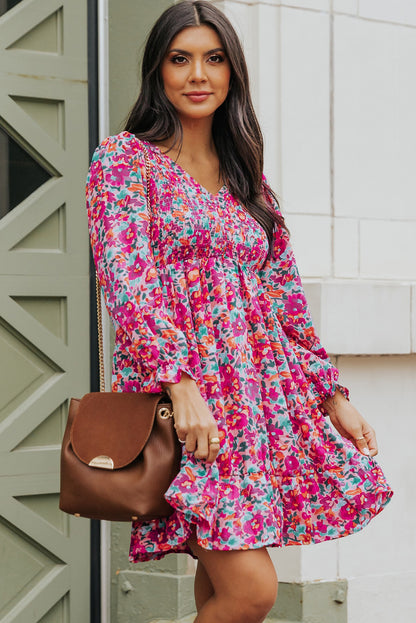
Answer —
(198, 96)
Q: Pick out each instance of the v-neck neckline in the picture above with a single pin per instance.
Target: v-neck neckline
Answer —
(183, 171)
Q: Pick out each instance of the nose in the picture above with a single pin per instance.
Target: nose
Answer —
(197, 71)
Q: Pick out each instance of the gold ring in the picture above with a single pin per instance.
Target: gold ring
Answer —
(214, 440)
(360, 439)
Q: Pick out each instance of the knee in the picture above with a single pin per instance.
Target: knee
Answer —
(256, 604)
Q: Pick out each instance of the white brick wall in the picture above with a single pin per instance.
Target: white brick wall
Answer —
(335, 89)
(346, 247)
(322, 5)
(336, 96)
(401, 11)
(311, 241)
(345, 6)
(380, 559)
(388, 249)
(361, 318)
(374, 127)
(413, 328)
(305, 126)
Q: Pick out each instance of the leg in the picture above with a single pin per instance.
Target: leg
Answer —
(203, 588)
(244, 584)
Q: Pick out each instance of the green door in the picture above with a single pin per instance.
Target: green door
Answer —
(44, 307)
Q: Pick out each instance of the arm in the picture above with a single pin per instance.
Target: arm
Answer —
(119, 232)
(350, 423)
(281, 280)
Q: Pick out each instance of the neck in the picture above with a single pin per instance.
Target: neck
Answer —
(197, 137)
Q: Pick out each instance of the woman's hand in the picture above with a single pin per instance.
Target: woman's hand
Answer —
(350, 423)
(194, 421)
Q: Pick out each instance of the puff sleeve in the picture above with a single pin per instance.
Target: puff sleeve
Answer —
(118, 223)
(281, 280)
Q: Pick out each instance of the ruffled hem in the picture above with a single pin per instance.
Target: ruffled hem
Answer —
(341, 511)
(184, 530)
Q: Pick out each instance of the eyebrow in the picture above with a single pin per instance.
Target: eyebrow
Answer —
(185, 52)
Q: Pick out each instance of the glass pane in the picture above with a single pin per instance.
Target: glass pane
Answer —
(20, 174)
(6, 5)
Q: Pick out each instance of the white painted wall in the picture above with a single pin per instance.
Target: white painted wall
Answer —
(334, 85)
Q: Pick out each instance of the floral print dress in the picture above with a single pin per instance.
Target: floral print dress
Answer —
(186, 292)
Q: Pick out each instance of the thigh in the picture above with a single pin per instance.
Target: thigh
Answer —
(239, 574)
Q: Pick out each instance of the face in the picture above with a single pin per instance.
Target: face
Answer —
(196, 72)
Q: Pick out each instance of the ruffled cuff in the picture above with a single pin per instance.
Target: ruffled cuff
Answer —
(321, 375)
(166, 373)
(344, 391)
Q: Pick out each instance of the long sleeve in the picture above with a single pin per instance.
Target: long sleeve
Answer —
(119, 231)
(281, 280)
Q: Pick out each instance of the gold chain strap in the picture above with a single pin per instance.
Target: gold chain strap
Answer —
(100, 334)
(98, 289)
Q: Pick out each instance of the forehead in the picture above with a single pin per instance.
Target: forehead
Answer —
(196, 38)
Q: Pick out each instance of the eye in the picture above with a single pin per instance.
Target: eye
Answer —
(179, 59)
(216, 58)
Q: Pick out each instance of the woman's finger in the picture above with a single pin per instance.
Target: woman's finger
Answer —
(202, 449)
(353, 426)
(191, 442)
(195, 429)
(208, 445)
(181, 432)
(371, 442)
(361, 444)
(214, 446)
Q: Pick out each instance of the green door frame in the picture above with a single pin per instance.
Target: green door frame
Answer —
(95, 541)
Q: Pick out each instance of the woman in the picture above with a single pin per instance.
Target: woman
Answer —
(207, 304)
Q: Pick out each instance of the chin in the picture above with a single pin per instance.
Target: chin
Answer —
(200, 115)
(197, 113)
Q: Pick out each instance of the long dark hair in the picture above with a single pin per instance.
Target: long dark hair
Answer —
(236, 131)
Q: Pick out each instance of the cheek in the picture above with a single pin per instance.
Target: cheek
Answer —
(224, 80)
(169, 78)
(226, 77)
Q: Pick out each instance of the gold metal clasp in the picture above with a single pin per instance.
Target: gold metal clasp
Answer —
(165, 413)
(102, 461)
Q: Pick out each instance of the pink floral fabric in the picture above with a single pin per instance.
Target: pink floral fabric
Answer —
(186, 293)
